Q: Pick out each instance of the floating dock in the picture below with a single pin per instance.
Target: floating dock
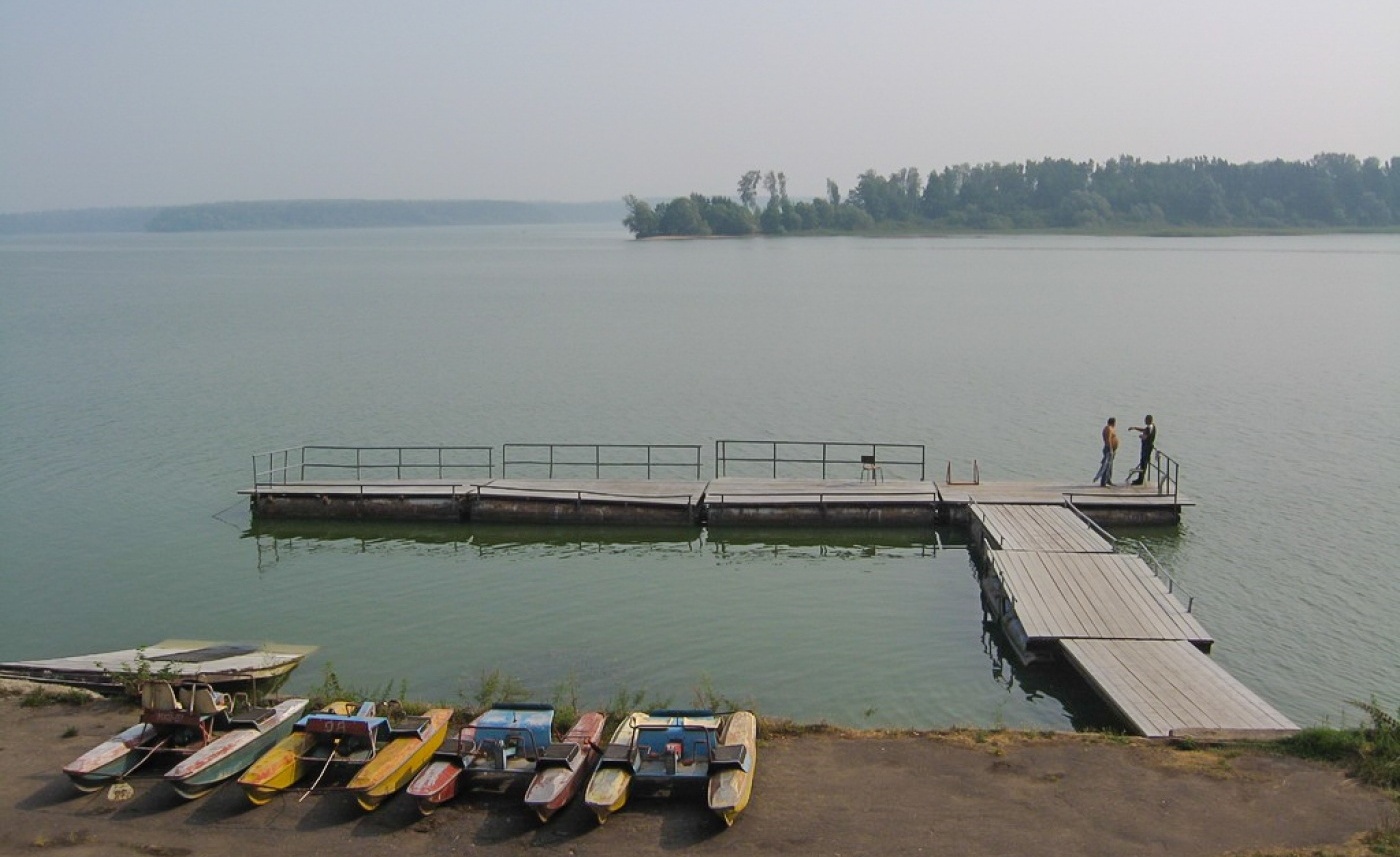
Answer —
(725, 501)
(1059, 588)
(1052, 578)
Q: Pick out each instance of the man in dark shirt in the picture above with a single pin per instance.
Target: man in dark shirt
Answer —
(1148, 434)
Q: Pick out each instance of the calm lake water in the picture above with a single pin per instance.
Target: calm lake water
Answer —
(139, 374)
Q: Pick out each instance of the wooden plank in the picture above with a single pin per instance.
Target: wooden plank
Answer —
(639, 491)
(1105, 596)
(1039, 528)
(731, 491)
(1166, 688)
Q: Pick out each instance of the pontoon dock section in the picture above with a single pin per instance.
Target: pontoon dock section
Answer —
(1057, 583)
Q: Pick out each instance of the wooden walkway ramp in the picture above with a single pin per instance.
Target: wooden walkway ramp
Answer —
(1171, 689)
(1100, 596)
(1058, 586)
(1017, 527)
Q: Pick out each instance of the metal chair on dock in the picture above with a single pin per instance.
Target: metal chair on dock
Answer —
(868, 466)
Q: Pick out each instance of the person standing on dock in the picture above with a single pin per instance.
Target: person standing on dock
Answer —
(1110, 446)
(1148, 434)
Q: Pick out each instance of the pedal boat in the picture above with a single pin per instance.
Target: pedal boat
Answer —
(212, 735)
(560, 772)
(514, 739)
(373, 755)
(678, 745)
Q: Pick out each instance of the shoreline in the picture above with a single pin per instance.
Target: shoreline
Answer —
(819, 792)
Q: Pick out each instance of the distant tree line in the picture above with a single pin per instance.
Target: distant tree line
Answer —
(1330, 191)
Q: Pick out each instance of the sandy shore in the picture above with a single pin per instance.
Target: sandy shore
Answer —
(908, 794)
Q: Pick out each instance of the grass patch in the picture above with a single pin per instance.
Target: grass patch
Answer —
(332, 689)
(44, 695)
(1371, 752)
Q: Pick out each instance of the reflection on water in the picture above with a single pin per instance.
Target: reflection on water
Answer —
(860, 626)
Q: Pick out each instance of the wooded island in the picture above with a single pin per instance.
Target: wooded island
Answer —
(1328, 192)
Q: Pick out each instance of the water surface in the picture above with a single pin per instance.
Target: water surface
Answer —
(139, 373)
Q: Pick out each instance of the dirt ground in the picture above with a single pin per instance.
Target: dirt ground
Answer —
(911, 794)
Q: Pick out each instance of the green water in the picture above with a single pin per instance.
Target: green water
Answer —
(139, 374)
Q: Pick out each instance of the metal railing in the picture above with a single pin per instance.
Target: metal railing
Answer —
(1165, 471)
(368, 463)
(1159, 570)
(629, 458)
(804, 455)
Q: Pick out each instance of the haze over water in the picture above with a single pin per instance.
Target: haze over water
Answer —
(139, 373)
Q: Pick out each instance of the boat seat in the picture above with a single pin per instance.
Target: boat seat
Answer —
(621, 756)
(159, 696)
(250, 717)
(730, 756)
(205, 700)
(409, 726)
(560, 755)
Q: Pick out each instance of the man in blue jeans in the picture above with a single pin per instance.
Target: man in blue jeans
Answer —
(1148, 433)
(1110, 446)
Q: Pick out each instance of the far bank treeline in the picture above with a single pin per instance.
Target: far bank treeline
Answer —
(1330, 191)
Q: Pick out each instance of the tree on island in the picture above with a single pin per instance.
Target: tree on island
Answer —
(1330, 191)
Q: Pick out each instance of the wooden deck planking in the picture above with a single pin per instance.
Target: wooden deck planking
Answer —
(731, 491)
(1055, 493)
(351, 487)
(1039, 528)
(638, 491)
(1165, 689)
(1099, 596)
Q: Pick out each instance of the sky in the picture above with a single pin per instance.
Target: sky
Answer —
(130, 103)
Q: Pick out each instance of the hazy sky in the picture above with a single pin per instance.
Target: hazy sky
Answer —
(143, 103)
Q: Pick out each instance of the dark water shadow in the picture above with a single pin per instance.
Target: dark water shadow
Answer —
(1056, 680)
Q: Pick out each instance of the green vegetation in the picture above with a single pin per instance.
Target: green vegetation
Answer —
(331, 689)
(132, 676)
(40, 696)
(1370, 752)
(1210, 195)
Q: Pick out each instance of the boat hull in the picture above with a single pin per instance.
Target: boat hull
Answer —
(607, 789)
(231, 753)
(113, 758)
(221, 665)
(396, 764)
(436, 784)
(730, 787)
(553, 787)
(278, 769)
